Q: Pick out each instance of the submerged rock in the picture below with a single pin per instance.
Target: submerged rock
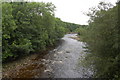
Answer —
(67, 51)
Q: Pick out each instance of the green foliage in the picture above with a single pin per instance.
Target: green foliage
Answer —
(71, 26)
(28, 27)
(82, 31)
(101, 36)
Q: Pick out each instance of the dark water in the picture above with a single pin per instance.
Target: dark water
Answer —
(62, 62)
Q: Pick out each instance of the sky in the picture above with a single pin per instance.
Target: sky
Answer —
(72, 10)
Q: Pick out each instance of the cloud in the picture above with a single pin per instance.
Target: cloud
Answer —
(72, 10)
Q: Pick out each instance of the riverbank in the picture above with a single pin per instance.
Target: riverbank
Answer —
(76, 38)
(60, 62)
(10, 69)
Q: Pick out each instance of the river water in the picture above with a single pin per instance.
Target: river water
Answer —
(62, 62)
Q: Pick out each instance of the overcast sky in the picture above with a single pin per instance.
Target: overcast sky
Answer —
(72, 10)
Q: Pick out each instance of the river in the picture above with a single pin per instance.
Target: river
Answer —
(62, 62)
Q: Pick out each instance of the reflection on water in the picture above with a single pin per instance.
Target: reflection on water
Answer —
(62, 62)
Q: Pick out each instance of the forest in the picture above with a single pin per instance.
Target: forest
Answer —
(31, 27)
(102, 38)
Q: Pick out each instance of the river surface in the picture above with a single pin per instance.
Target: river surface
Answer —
(62, 62)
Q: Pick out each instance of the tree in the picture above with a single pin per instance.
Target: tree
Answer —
(102, 40)
(28, 28)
